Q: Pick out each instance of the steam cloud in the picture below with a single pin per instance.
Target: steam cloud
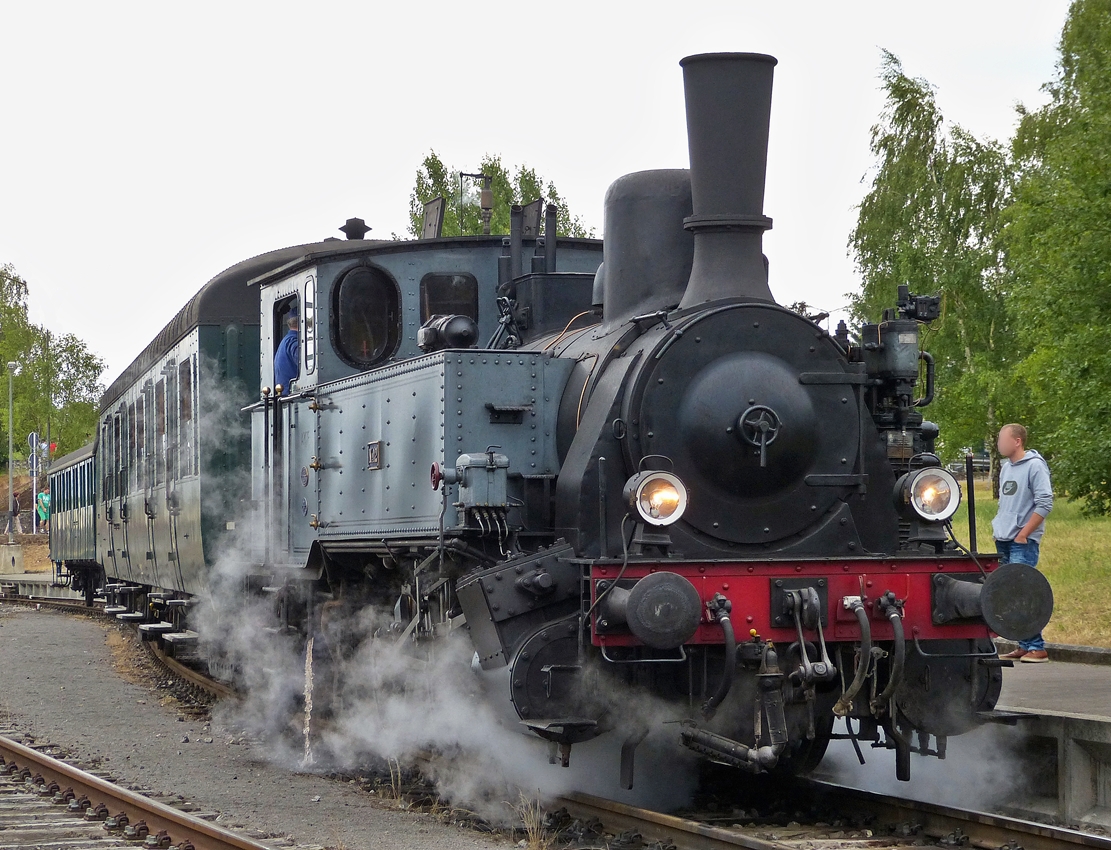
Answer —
(374, 698)
(984, 770)
(386, 700)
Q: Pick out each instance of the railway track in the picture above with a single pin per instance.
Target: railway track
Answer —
(858, 819)
(45, 802)
(869, 820)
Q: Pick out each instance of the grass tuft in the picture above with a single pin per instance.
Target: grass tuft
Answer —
(531, 813)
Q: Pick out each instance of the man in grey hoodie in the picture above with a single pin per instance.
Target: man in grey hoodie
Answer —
(1025, 500)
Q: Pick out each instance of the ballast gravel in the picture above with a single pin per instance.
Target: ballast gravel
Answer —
(58, 683)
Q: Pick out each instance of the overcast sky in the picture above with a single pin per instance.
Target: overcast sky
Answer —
(144, 147)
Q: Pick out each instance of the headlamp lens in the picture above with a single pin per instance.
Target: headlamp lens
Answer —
(659, 498)
(934, 494)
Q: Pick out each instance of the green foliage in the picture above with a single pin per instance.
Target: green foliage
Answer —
(931, 220)
(519, 185)
(1058, 241)
(1018, 243)
(57, 388)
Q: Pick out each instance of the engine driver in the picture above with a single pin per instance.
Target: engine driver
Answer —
(287, 359)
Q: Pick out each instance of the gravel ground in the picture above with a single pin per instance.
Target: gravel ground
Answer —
(64, 679)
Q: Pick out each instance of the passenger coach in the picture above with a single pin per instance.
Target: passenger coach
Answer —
(73, 522)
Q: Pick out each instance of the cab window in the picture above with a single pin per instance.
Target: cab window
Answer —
(448, 295)
(365, 317)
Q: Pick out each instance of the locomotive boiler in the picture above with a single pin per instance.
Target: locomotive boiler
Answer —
(643, 488)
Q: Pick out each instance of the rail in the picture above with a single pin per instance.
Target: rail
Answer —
(909, 820)
(158, 817)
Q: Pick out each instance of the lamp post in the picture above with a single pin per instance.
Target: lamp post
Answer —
(12, 366)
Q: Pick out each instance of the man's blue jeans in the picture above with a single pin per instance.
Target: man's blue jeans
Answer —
(1021, 553)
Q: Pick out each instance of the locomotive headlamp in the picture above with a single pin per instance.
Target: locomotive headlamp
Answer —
(659, 498)
(932, 493)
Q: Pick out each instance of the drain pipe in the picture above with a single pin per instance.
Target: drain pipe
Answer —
(845, 703)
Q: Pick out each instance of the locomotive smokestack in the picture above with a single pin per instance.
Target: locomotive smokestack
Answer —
(728, 99)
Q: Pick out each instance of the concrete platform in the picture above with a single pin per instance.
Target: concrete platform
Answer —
(1067, 758)
(1078, 689)
(38, 586)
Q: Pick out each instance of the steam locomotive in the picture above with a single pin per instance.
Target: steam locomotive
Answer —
(623, 469)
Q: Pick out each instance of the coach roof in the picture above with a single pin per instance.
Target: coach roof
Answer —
(66, 461)
(224, 299)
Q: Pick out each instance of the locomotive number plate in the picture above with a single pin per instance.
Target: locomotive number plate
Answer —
(374, 455)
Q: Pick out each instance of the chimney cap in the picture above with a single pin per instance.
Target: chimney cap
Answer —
(355, 228)
(709, 57)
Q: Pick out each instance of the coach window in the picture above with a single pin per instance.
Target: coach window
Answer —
(124, 446)
(117, 462)
(159, 431)
(365, 317)
(448, 295)
(172, 471)
(185, 414)
(141, 442)
(132, 450)
(106, 462)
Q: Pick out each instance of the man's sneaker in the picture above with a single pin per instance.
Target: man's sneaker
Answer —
(1015, 654)
(1036, 656)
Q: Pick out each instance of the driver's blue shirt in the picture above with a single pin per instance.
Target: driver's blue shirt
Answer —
(287, 361)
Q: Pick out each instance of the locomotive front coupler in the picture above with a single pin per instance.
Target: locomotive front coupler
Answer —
(804, 605)
(771, 726)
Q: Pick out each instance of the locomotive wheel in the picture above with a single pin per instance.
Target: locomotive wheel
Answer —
(802, 756)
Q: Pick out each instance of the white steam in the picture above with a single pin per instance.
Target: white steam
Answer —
(983, 770)
(357, 697)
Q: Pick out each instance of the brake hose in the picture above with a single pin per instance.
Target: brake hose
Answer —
(896, 674)
(845, 703)
(719, 609)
